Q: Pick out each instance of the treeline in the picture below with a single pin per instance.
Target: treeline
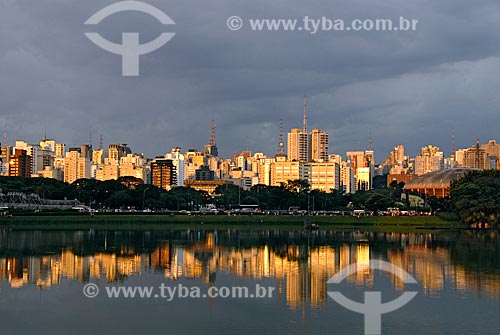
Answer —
(126, 192)
(298, 194)
(475, 198)
(129, 192)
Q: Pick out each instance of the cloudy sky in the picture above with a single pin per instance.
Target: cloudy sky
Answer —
(403, 87)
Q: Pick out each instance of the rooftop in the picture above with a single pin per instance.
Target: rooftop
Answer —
(436, 179)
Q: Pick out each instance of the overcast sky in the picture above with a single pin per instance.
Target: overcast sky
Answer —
(403, 87)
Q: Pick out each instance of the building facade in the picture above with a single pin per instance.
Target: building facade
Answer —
(163, 174)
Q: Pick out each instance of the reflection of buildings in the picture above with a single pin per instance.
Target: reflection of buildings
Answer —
(301, 272)
(433, 269)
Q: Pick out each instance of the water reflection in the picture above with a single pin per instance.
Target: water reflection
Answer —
(300, 262)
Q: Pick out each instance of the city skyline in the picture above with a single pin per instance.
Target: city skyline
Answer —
(403, 87)
(266, 164)
(96, 138)
(308, 160)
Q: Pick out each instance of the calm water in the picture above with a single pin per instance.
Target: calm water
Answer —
(42, 275)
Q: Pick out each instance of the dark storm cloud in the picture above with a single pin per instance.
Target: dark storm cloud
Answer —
(406, 87)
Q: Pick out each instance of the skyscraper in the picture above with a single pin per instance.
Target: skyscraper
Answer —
(476, 157)
(307, 147)
(298, 145)
(20, 164)
(117, 151)
(362, 164)
(163, 173)
(431, 159)
(179, 162)
(319, 145)
(76, 166)
(299, 148)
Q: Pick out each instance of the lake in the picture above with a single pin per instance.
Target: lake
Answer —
(45, 277)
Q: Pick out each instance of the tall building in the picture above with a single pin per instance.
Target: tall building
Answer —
(493, 151)
(323, 176)
(193, 161)
(75, 166)
(364, 179)
(179, 161)
(319, 145)
(20, 164)
(117, 151)
(362, 163)
(32, 150)
(398, 155)
(431, 159)
(264, 169)
(299, 141)
(476, 157)
(298, 146)
(98, 156)
(356, 160)
(5, 159)
(163, 174)
(86, 151)
(347, 179)
(282, 171)
(133, 165)
(60, 150)
(107, 172)
(492, 148)
(48, 144)
(304, 146)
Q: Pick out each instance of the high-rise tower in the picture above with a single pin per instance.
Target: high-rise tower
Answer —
(213, 141)
(299, 141)
(304, 127)
(211, 147)
(281, 143)
(319, 145)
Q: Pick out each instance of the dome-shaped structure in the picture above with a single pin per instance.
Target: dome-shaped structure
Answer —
(435, 183)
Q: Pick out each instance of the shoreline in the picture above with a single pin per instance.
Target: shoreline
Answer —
(141, 222)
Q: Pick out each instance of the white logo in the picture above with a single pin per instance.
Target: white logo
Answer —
(373, 308)
(91, 290)
(130, 49)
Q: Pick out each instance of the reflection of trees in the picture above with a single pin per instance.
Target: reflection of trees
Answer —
(477, 252)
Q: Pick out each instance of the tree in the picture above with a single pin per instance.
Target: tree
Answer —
(378, 200)
(297, 186)
(229, 195)
(120, 199)
(476, 197)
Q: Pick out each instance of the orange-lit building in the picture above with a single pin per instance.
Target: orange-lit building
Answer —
(20, 164)
(435, 183)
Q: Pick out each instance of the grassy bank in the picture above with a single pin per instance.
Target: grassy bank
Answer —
(221, 221)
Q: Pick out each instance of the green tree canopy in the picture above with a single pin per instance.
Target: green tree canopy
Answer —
(476, 197)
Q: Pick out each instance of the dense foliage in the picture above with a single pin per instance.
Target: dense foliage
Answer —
(129, 192)
(476, 197)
